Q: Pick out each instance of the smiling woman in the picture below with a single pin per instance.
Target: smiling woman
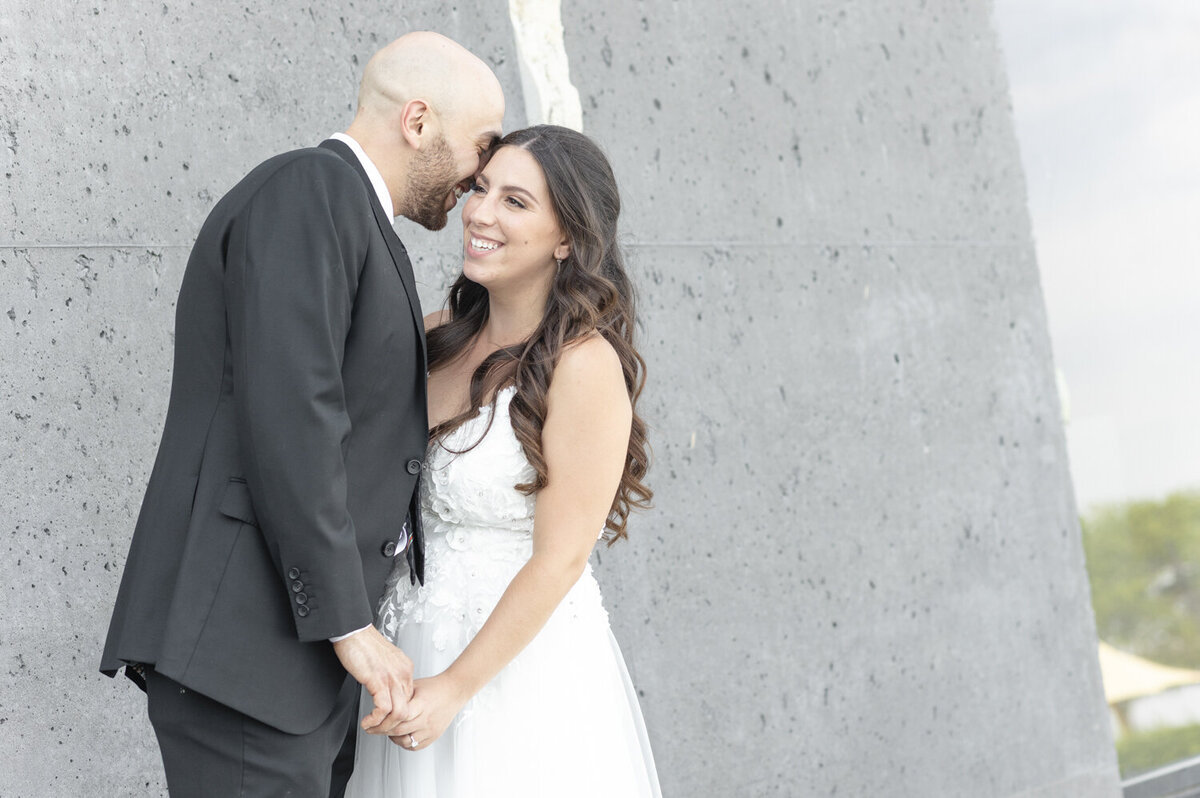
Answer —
(541, 270)
(536, 452)
(512, 239)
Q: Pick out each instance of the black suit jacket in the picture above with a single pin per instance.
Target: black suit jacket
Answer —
(291, 449)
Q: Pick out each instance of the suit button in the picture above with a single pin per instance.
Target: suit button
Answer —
(389, 548)
(301, 598)
(302, 611)
(297, 586)
(294, 573)
(414, 467)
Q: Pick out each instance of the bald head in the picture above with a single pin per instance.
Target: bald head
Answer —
(427, 111)
(429, 67)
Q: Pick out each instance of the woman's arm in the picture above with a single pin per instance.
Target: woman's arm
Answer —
(584, 440)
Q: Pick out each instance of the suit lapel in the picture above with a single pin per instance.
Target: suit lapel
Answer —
(394, 244)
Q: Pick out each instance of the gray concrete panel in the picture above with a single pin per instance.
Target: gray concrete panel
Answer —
(870, 580)
(738, 119)
(863, 573)
(855, 579)
(87, 354)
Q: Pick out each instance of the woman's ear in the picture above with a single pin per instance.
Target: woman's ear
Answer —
(562, 251)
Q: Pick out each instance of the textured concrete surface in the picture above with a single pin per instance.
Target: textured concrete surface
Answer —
(863, 574)
(866, 562)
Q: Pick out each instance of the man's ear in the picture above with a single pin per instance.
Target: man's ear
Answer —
(415, 117)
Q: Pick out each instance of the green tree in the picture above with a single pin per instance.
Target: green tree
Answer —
(1144, 566)
(1144, 751)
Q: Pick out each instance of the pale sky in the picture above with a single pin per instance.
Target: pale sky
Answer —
(1106, 97)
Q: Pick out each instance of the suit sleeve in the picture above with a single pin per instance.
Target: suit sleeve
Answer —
(291, 276)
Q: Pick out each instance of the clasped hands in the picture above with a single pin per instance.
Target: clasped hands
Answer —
(412, 713)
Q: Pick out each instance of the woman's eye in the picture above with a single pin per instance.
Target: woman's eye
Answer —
(476, 188)
(516, 203)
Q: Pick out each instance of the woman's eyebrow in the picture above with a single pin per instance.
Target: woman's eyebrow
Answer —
(510, 189)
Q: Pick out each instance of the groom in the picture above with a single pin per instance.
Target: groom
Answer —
(285, 480)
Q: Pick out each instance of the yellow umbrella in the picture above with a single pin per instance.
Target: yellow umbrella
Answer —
(1127, 676)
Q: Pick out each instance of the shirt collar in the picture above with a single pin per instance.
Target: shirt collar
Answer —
(381, 189)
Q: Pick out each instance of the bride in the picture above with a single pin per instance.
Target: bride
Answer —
(536, 451)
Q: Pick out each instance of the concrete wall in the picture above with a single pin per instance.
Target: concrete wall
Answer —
(863, 574)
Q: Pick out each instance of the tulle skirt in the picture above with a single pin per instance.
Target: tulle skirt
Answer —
(560, 721)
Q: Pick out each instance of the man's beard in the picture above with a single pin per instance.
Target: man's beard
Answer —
(430, 180)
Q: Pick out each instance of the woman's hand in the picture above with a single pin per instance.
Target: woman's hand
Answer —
(434, 703)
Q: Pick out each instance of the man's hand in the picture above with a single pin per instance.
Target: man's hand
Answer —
(384, 670)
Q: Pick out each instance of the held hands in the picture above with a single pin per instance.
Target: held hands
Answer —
(434, 704)
(384, 670)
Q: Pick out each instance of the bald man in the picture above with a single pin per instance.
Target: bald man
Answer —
(286, 479)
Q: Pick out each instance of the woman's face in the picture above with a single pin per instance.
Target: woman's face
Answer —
(511, 238)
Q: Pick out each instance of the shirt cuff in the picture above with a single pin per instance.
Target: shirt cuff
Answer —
(402, 544)
(340, 638)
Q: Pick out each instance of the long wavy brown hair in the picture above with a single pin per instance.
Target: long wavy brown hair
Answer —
(591, 293)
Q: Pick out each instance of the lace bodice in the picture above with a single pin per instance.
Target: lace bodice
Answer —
(476, 488)
(559, 719)
(478, 531)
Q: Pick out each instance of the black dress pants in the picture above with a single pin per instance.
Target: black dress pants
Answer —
(212, 751)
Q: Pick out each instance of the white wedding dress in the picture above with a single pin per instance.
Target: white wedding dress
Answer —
(562, 719)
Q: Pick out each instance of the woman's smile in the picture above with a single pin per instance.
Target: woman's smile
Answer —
(478, 246)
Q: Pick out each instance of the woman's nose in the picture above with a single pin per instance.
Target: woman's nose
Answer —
(480, 210)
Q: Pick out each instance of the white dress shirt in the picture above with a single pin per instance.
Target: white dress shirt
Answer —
(381, 189)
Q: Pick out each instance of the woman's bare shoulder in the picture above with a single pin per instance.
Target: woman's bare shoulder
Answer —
(436, 319)
(588, 365)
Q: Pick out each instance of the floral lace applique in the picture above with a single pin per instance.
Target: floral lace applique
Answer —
(478, 535)
(478, 527)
